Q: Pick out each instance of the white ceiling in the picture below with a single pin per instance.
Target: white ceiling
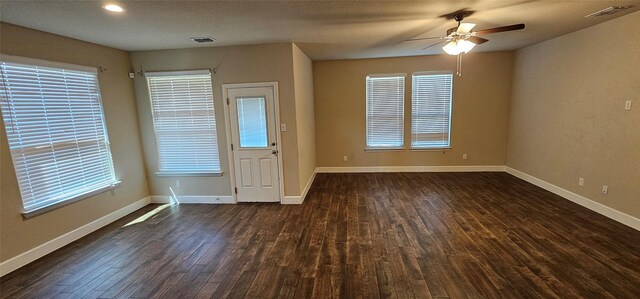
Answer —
(322, 29)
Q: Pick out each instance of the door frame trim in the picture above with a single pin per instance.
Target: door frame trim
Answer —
(227, 119)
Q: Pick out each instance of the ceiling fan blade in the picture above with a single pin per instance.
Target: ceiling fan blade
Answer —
(423, 38)
(429, 46)
(477, 40)
(500, 29)
(465, 27)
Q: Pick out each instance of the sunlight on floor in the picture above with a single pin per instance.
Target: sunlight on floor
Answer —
(148, 215)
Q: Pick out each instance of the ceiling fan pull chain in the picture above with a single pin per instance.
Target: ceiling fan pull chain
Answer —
(461, 56)
(459, 65)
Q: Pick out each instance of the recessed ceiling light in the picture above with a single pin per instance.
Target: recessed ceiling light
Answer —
(113, 7)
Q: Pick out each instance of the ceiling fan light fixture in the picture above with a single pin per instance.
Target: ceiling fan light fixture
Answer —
(465, 45)
(451, 48)
(457, 47)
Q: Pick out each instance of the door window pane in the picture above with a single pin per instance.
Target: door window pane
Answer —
(252, 122)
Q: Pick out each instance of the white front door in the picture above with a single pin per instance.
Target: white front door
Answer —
(253, 142)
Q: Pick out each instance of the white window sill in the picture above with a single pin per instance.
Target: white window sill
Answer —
(180, 174)
(57, 205)
(382, 149)
(430, 149)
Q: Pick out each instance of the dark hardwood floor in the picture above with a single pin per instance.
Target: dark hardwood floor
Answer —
(398, 235)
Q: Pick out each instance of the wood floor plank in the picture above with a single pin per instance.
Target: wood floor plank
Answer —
(374, 235)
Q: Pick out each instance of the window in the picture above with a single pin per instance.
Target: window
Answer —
(56, 131)
(185, 123)
(385, 111)
(431, 110)
(252, 122)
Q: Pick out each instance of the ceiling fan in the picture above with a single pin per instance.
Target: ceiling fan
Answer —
(461, 39)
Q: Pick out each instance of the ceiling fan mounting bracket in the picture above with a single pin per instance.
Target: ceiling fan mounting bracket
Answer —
(465, 12)
(458, 17)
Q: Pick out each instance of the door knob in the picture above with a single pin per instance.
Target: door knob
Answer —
(275, 152)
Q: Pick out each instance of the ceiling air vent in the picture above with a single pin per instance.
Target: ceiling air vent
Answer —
(608, 11)
(202, 40)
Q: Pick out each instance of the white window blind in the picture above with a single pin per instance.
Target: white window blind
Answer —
(56, 131)
(385, 111)
(184, 122)
(431, 110)
(252, 122)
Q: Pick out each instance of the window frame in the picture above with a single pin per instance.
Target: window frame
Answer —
(114, 182)
(190, 173)
(387, 148)
(411, 132)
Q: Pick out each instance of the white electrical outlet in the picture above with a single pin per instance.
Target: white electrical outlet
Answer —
(605, 189)
(464, 156)
(283, 127)
(178, 184)
(345, 158)
(581, 181)
(627, 105)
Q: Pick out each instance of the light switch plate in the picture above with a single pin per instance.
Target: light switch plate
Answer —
(283, 127)
(627, 105)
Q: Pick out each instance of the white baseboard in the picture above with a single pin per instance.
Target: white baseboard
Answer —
(194, 199)
(470, 168)
(25, 258)
(616, 215)
(296, 200)
(291, 200)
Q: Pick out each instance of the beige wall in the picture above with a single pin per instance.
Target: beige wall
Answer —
(567, 112)
(479, 117)
(305, 115)
(234, 64)
(18, 235)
